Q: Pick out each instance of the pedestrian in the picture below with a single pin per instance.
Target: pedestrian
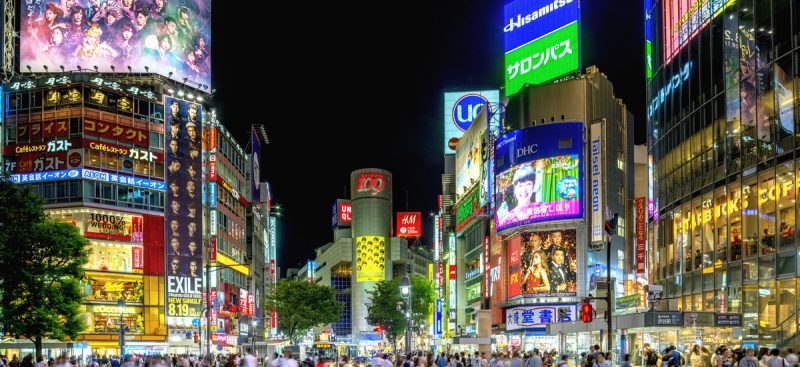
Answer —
(791, 358)
(696, 357)
(724, 360)
(601, 360)
(649, 355)
(775, 359)
(626, 361)
(749, 359)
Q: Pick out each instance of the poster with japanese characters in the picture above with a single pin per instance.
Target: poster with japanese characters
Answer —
(539, 316)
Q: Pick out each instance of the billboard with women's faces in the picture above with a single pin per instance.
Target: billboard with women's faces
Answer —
(168, 37)
(539, 176)
(547, 263)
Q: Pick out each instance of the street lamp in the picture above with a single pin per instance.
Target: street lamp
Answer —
(121, 307)
(405, 292)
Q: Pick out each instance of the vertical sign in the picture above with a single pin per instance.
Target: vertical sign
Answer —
(487, 264)
(514, 274)
(213, 254)
(640, 234)
(255, 178)
(596, 169)
(184, 244)
(138, 260)
(214, 311)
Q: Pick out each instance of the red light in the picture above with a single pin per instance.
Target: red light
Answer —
(378, 329)
(587, 312)
(196, 338)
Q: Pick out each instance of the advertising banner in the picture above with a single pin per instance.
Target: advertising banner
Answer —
(542, 41)
(370, 258)
(540, 173)
(138, 258)
(460, 109)
(539, 316)
(683, 19)
(372, 184)
(548, 263)
(640, 234)
(342, 213)
(184, 236)
(468, 156)
(256, 169)
(597, 200)
(164, 37)
(437, 326)
(409, 224)
(122, 227)
(514, 273)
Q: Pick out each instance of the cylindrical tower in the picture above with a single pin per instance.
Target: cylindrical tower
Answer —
(371, 201)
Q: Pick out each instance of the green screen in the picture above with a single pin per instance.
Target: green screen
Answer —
(544, 59)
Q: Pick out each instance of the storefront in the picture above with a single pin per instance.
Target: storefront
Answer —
(106, 319)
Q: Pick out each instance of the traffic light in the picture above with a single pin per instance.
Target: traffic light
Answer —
(611, 225)
(587, 312)
(378, 329)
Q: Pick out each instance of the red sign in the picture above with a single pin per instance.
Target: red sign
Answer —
(345, 212)
(409, 224)
(110, 130)
(641, 204)
(514, 280)
(212, 140)
(487, 264)
(374, 182)
(213, 255)
(272, 270)
(212, 167)
(440, 274)
(243, 302)
(251, 305)
(138, 259)
(274, 319)
(452, 272)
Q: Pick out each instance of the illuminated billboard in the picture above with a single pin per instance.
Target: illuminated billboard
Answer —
(370, 258)
(540, 175)
(683, 19)
(542, 41)
(547, 263)
(460, 109)
(172, 38)
(469, 164)
(183, 216)
(342, 213)
(409, 224)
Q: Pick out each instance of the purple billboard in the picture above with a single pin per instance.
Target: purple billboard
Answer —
(167, 37)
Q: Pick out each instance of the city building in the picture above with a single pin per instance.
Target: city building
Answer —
(722, 124)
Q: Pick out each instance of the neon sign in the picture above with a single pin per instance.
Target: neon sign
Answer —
(666, 91)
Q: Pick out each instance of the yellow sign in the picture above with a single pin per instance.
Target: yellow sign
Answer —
(370, 258)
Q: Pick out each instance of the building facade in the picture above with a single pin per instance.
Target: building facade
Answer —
(722, 133)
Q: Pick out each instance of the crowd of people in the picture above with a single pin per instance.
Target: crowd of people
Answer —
(722, 356)
(155, 360)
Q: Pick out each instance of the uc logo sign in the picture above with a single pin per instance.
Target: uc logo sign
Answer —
(466, 109)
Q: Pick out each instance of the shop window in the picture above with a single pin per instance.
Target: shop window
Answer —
(685, 244)
(785, 195)
(720, 214)
(106, 319)
(734, 206)
(94, 158)
(114, 289)
(767, 195)
(749, 271)
(786, 264)
(786, 306)
(708, 301)
(750, 216)
(767, 312)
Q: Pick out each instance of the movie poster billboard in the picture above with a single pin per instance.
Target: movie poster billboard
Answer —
(370, 258)
(547, 264)
(172, 38)
(183, 216)
(540, 175)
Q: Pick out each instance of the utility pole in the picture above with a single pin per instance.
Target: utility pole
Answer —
(611, 228)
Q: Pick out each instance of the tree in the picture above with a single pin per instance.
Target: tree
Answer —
(385, 298)
(301, 305)
(41, 272)
(423, 298)
(382, 311)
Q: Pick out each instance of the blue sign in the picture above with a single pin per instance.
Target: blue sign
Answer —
(219, 347)
(195, 322)
(541, 141)
(212, 189)
(528, 20)
(467, 108)
(88, 174)
(437, 328)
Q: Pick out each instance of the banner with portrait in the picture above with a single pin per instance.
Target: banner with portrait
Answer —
(183, 216)
(548, 263)
(370, 258)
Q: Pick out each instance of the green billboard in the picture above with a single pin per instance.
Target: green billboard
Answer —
(543, 59)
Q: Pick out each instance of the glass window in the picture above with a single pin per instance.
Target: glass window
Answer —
(749, 271)
(766, 267)
(767, 315)
(697, 235)
(734, 300)
(785, 195)
(721, 225)
(750, 216)
(786, 264)
(784, 100)
(767, 196)
(764, 114)
(685, 240)
(708, 221)
(787, 318)
(750, 311)
(734, 207)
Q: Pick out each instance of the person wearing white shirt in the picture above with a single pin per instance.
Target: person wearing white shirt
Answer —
(249, 359)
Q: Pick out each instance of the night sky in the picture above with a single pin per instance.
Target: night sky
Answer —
(348, 86)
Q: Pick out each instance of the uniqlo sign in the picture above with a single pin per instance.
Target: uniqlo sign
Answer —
(409, 224)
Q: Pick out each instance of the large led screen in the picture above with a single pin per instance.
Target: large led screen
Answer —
(183, 217)
(547, 264)
(172, 38)
(683, 19)
(541, 41)
(540, 175)
(370, 258)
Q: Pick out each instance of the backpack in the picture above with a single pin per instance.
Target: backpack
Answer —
(652, 358)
